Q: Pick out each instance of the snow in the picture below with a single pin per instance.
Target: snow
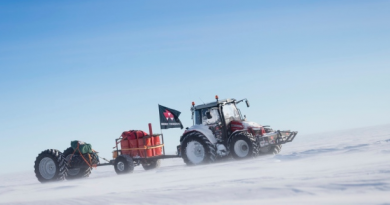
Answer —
(250, 124)
(343, 167)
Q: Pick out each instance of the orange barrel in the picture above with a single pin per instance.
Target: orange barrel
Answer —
(130, 140)
(145, 141)
(156, 141)
(148, 142)
(133, 144)
(125, 145)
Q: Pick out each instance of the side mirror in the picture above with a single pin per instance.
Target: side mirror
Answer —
(208, 115)
(247, 103)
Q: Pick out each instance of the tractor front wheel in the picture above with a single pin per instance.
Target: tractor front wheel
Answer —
(242, 145)
(272, 150)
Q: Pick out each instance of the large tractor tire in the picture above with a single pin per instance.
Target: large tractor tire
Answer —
(123, 164)
(243, 145)
(76, 173)
(272, 150)
(197, 149)
(50, 165)
(151, 164)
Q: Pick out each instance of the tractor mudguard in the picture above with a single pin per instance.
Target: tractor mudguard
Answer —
(202, 129)
(248, 124)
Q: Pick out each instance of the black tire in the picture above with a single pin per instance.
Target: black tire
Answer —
(272, 150)
(76, 173)
(123, 164)
(243, 145)
(206, 150)
(50, 165)
(276, 149)
(151, 164)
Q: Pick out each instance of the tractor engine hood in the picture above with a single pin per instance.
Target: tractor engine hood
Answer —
(248, 124)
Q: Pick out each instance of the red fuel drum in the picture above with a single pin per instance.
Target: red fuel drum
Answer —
(145, 141)
(140, 139)
(133, 139)
(156, 141)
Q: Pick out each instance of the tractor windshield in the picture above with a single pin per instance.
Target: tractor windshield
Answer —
(230, 113)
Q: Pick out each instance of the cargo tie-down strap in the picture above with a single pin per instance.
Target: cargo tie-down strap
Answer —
(145, 147)
(89, 156)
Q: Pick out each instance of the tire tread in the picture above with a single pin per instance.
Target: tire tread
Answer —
(210, 148)
(60, 165)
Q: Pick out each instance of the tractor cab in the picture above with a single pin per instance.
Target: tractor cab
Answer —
(222, 117)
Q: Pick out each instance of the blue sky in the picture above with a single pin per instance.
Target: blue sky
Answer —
(92, 69)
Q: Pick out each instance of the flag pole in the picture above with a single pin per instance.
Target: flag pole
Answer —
(162, 137)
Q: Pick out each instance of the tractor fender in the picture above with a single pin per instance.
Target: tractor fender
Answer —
(202, 129)
(233, 133)
(248, 124)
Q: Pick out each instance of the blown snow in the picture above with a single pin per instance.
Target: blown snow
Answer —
(343, 167)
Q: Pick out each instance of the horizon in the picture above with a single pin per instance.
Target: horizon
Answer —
(90, 70)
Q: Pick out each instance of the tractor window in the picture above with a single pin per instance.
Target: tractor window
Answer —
(215, 119)
(230, 113)
(201, 118)
(198, 117)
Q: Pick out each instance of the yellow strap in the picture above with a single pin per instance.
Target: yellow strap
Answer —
(145, 147)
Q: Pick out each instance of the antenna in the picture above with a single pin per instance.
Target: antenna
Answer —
(202, 101)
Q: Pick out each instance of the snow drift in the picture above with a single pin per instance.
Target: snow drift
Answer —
(343, 167)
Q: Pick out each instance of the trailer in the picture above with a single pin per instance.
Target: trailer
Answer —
(143, 150)
(78, 160)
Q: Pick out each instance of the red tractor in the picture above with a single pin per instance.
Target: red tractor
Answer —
(220, 131)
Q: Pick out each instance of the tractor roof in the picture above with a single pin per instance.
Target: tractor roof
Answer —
(214, 104)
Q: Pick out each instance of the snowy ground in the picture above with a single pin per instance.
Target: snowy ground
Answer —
(344, 167)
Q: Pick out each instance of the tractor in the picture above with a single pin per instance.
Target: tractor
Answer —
(220, 131)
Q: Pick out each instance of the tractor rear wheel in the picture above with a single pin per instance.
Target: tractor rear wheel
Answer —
(197, 149)
(242, 145)
(151, 164)
(123, 164)
(49, 166)
(76, 173)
